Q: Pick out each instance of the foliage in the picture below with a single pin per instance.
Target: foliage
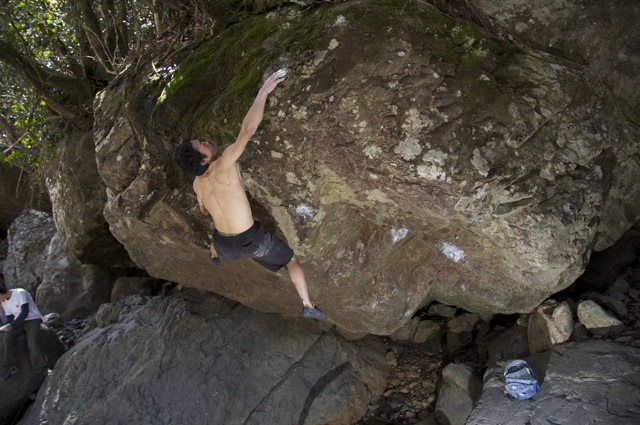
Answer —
(54, 56)
(23, 116)
(26, 126)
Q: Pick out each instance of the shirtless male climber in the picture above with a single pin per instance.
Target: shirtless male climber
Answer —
(218, 187)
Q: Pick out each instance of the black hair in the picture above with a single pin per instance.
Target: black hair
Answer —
(188, 159)
(3, 289)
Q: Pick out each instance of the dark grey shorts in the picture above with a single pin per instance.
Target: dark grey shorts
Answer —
(256, 243)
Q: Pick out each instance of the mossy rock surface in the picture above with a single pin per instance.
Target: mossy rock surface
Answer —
(408, 157)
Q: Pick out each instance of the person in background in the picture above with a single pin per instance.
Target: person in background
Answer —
(23, 317)
(218, 187)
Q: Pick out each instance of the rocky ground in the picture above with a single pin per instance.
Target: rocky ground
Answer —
(413, 382)
(411, 390)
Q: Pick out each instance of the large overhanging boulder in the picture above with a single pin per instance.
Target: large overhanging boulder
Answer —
(604, 37)
(408, 157)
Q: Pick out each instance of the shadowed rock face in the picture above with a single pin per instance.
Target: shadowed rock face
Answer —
(78, 195)
(408, 157)
(70, 289)
(15, 391)
(205, 360)
(28, 239)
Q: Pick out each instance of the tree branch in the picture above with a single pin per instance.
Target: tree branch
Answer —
(41, 79)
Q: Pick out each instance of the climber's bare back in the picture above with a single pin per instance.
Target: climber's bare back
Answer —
(220, 193)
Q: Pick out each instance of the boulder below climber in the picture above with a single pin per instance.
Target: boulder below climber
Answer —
(200, 359)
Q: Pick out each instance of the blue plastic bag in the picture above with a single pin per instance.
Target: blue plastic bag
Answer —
(521, 382)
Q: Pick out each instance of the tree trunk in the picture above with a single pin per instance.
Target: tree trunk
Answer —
(93, 32)
(157, 18)
(110, 36)
(124, 31)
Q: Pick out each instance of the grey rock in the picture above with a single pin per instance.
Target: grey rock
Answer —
(430, 420)
(197, 359)
(78, 196)
(614, 304)
(510, 344)
(550, 324)
(126, 286)
(580, 31)
(69, 288)
(620, 286)
(461, 388)
(442, 310)
(589, 382)
(53, 320)
(598, 320)
(108, 314)
(391, 359)
(429, 332)
(580, 333)
(28, 237)
(15, 392)
(460, 331)
(407, 331)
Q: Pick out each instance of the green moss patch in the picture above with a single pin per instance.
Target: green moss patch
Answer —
(215, 84)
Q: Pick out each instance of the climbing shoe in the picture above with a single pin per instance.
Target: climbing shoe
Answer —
(313, 313)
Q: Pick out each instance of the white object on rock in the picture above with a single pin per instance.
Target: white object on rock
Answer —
(398, 234)
(453, 252)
